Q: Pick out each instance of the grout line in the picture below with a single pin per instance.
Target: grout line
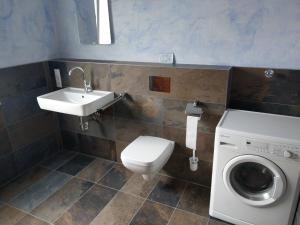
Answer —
(17, 195)
(106, 173)
(67, 209)
(52, 170)
(137, 211)
(28, 213)
(176, 207)
(186, 181)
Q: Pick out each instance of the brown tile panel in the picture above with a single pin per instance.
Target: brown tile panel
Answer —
(96, 170)
(63, 199)
(195, 199)
(178, 166)
(119, 211)
(187, 84)
(120, 146)
(97, 72)
(142, 108)
(174, 114)
(152, 213)
(181, 217)
(116, 177)
(98, 147)
(167, 191)
(91, 145)
(10, 215)
(205, 143)
(128, 130)
(136, 185)
(30, 220)
(103, 129)
(88, 207)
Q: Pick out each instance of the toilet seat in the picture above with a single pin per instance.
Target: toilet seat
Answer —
(148, 152)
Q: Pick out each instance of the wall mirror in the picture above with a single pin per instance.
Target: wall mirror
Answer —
(94, 22)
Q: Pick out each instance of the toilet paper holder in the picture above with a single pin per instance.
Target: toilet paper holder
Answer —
(194, 109)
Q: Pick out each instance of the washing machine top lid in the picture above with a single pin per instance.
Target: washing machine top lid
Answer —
(146, 150)
(271, 125)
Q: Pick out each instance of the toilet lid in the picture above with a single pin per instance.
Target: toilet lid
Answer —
(146, 150)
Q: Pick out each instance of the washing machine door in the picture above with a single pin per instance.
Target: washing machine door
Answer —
(254, 180)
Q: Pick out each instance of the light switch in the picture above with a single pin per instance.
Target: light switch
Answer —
(57, 78)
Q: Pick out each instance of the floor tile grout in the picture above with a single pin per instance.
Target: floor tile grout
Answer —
(142, 204)
(185, 186)
(95, 183)
(28, 213)
(74, 202)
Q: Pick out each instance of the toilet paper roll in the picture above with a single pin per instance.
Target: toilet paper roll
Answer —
(191, 132)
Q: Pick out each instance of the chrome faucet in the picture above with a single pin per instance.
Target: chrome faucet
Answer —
(87, 85)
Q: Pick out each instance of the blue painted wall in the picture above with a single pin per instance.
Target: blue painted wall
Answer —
(260, 33)
(27, 31)
(218, 32)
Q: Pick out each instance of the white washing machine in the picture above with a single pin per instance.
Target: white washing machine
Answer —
(256, 168)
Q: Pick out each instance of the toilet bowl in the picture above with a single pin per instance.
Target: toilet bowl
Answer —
(146, 155)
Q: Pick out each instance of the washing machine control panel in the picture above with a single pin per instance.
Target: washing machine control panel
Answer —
(279, 150)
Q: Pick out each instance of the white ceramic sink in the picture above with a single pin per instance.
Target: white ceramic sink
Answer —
(75, 101)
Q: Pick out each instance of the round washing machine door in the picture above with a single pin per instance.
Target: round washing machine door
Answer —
(254, 179)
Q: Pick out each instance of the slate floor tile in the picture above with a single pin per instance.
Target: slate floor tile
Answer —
(10, 215)
(76, 164)
(167, 191)
(52, 208)
(119, 211)
(96, 170)
(58, 160)
(30, 220)
(195, 199)
(152, 213)
(181, 217)
(20, 184)
(116, 177)
(136, 185)
(88, 207)
(40, 191)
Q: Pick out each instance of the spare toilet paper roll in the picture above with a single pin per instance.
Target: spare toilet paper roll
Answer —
(191, 132)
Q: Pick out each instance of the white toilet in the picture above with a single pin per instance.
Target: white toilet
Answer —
(146, 155)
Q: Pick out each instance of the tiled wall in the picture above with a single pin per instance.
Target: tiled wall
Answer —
(27, 134)
(252, 90)
(147, 112)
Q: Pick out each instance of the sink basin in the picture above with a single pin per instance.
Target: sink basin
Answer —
(75, 101)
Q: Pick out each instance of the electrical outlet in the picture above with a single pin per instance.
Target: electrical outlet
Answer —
(166, 58)
(57, 78)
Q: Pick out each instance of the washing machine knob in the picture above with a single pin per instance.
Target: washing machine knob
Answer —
(287, 154)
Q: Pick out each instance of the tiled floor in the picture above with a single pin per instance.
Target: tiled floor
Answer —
(76, 189)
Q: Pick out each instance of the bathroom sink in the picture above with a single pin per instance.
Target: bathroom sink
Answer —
(75, 101)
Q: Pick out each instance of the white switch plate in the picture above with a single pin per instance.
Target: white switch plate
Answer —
(57, 78)
(166, 58)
